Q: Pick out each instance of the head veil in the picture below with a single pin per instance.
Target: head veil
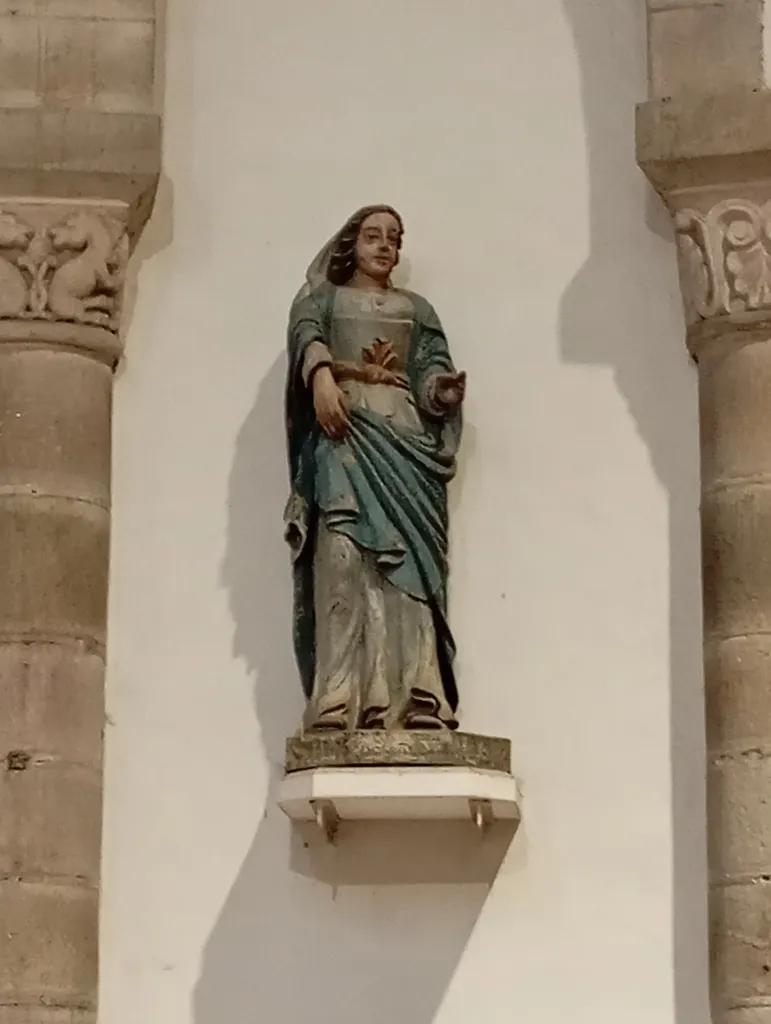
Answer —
(318, 272)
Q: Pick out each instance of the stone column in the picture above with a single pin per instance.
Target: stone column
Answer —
(704, 140)
(62, 267)
(710, 158)
(79, 163)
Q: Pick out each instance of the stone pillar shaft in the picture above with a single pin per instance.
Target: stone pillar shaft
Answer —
(725, 262)
(62, 267)
(735, 391)
(54, 530)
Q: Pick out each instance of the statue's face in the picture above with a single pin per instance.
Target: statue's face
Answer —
(377, 247)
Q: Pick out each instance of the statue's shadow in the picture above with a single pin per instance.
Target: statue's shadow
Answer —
(622, 310)
(347, 931)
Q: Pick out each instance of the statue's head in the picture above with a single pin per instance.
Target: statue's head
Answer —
(370, 241)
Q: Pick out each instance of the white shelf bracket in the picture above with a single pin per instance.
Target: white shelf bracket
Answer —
(327, 818)
(481, 814)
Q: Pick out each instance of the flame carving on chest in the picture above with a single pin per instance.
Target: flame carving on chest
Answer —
(380, 353)
(379, 367)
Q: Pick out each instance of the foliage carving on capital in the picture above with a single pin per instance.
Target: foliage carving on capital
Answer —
(725, 258)
(62, 264)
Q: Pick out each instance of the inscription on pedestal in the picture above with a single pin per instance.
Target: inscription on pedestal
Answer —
(372, 748)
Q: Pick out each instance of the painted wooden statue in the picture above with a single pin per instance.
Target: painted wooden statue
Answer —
(373, 425)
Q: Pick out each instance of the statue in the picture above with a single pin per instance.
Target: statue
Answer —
(373, 408)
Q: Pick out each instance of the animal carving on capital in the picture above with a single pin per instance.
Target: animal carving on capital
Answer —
(15, 237)
(69, 270)
(86, 283)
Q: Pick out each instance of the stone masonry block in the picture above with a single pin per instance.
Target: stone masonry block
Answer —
(125, 145)
(54, 555)
(698, 139)
(51, 814)
(751, 1014)
(52, 701)
(48, 944)
(122, 10)
(735, 412)
(706, 48)
(739, 814)
(19, 61)
(736, 524)
(665, 5)
(81, 153)
(133, 10)
(737, 674)
(44, 1015)
(55, 423)
(67, 48)
(124, 65)
(741, 943)
(78, 54)
(102, 63)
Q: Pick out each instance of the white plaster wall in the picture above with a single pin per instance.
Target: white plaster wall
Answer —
(503, 131)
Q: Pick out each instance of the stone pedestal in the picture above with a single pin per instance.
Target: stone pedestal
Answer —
(330, 796)
(368, 748)
(400, 775)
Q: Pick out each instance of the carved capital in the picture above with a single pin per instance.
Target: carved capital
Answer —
(62, 273)
(709, 157)
(724, 256)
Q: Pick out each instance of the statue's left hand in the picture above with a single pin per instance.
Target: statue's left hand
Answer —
(450, 389)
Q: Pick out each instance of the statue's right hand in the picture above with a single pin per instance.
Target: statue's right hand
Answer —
(329, 403)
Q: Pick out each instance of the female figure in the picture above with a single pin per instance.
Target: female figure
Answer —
(373, 426)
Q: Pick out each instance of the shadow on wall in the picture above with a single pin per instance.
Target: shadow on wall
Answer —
(289, 946)
(651, 380)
